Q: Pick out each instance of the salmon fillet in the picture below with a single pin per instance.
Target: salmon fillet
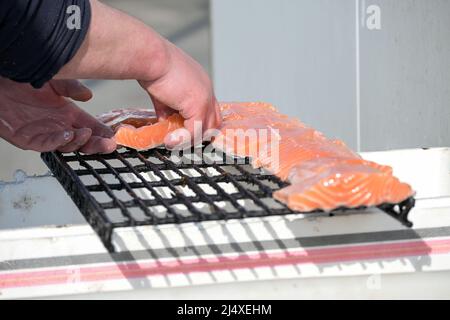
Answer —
(324, 174)
(139, 128)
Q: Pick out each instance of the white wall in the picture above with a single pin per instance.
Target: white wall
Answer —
(302, 55)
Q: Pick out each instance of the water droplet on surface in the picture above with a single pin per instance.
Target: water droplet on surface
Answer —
(20, 175)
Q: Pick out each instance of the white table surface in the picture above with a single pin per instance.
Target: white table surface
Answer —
(47, 249)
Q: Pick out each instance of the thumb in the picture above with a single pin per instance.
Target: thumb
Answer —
(162, 111)
(197, 122)
(182, 138)
(73, 89)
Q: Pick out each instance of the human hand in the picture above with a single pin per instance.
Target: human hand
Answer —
(45, 120)
(185, 88)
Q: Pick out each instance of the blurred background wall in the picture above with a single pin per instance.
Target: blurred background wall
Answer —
(375, 73)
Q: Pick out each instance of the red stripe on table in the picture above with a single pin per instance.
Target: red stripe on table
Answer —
(114, 271)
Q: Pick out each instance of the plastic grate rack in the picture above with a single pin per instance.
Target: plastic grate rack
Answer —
(129, 188)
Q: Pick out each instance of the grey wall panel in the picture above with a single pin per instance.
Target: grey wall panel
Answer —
(405, 76)
(297, 54)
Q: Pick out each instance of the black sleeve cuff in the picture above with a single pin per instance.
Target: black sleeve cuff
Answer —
(36, 40)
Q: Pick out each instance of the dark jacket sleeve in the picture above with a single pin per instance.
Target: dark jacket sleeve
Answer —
(38, 37)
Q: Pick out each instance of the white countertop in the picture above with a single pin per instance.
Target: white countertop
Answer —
(47, 249)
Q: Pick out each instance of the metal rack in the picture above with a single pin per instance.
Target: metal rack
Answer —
(129, 188)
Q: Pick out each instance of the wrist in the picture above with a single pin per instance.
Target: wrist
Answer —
(155, 59)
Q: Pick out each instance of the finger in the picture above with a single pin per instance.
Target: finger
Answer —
(162, 111)
(178, 140)
(98, 144)
(213, 123)
(85, 120)
(82, 136)
(51, 141)
(213, 117)
(195, 126)
(191, 134)
(216, 116)
(73, 89)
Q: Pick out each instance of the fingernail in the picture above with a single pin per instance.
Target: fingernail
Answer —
(177, 139)
(67, 135)
(174, 138)
(112, 146)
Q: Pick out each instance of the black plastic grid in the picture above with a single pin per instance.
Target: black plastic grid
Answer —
(130, 188)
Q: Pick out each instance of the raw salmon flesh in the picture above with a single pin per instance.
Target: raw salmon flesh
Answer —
(139, 128)
(323, 174)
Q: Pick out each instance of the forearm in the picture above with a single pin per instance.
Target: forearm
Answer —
(117, 46)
